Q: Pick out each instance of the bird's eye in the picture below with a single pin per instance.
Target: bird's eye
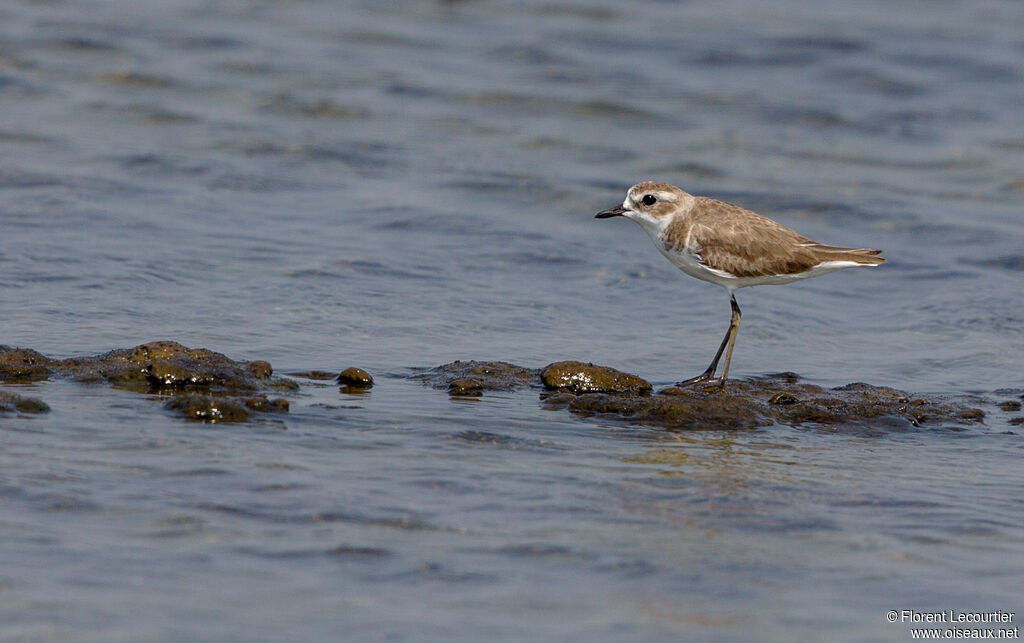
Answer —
(649, 199)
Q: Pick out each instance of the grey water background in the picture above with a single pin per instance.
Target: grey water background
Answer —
(398, 185)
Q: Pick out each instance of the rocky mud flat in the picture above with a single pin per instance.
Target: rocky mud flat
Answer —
(200, 384)
(204, 385)
(588, 390)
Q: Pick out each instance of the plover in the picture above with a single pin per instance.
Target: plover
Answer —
(729, 246)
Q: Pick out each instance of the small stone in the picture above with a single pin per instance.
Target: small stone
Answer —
(1016, 421)
(260, 369)
(1010, 405)
(355, 377)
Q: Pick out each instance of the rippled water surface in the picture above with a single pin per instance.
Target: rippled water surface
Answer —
(399, 185)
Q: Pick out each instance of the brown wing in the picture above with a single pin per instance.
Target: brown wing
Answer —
(745, 244)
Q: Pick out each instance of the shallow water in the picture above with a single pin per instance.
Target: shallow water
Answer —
(324, 185)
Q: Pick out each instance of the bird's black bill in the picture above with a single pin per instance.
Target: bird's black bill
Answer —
(617, 211)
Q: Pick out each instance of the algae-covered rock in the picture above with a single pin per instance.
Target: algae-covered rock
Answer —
(485, 376)
(229, 390)
(355, 377)
(777, 399)
(168, 367)
(23, 365)
(12, 402)
(578, 377)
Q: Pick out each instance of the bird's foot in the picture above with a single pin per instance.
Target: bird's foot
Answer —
(706, 379)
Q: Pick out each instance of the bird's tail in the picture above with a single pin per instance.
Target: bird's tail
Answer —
(863, 256)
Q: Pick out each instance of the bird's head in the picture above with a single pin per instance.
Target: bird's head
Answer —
(650, 203)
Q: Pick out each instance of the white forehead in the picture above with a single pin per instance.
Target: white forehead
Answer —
(640, 190)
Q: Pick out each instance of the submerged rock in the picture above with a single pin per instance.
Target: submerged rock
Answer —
(213, 409)
(206, 408)
(14, 403)
(577, 377)
(472, 377)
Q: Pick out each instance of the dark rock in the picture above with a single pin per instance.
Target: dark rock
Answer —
(230, 390)
(12, 402)
(355, 377)
(578, 377)
(23, 365)
(1016, 421)
(759, 402)
(169, 368)
(489, 376)
(1010, 405)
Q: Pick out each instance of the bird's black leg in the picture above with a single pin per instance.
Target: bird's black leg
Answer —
(708, 376)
